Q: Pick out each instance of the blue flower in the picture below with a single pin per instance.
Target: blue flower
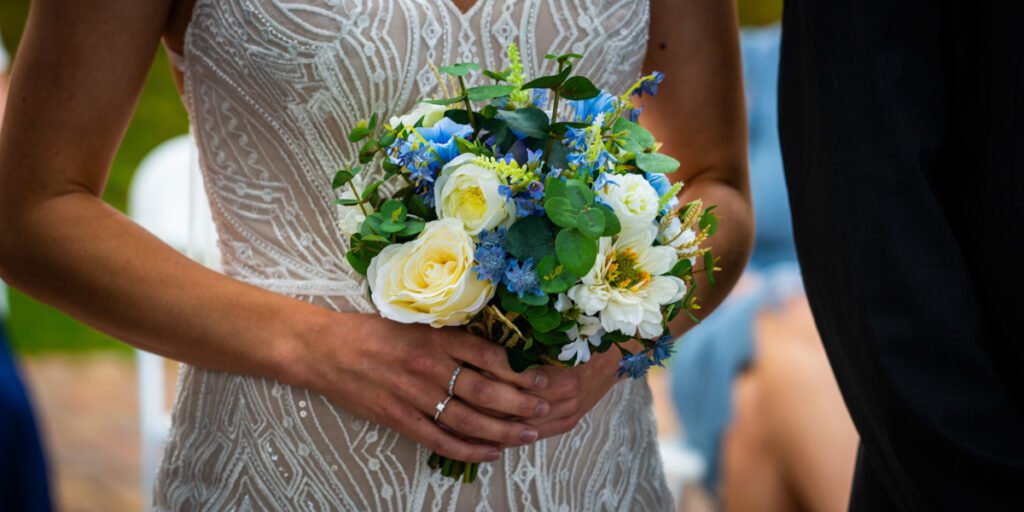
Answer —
(490, 263)
(506, 191)
(634, 113)
(540, 98)
(586, 111)
(663, 349)
(525, 207)
(650, 85)
(445, 131)
(536, 190)
(533, 159)
(634, 365)
(521, 279)
(494, 238)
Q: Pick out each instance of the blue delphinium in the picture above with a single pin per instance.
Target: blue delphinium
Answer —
(441, 138)
(522, 279)
(490, 263)
(536, 190)
(540, 98)
(650, 85)
(635, 365)
(663, 349)
(494, 238)
(586, 111)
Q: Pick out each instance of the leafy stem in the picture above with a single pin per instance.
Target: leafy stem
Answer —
(554, 109)
(469, 105)
(359, 198)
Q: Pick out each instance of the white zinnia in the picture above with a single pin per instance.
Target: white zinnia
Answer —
(469, 192)
(632, 198)
(626, 287)
(429, 113)
(587, 332)
(430, 279)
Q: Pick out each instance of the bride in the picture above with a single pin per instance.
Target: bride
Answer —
(294, 394)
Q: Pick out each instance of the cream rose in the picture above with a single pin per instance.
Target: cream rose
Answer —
(430, 114)
(469, 192)
(429, 280)
(632, 198)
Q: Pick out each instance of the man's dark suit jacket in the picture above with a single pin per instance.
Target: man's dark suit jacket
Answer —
(902, 125)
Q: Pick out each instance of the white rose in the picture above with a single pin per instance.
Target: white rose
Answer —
(430, 279)
(430, 114)
(469, 192)
(632, 198)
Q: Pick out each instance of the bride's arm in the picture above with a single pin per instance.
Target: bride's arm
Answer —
(78, 74)
(699, 115)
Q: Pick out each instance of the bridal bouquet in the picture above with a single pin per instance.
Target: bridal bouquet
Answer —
(535, 213)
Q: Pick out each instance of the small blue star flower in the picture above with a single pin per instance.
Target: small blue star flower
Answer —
(536, 190)
(490, 263)
(634, 365)
(663, 349)
(525, 207)
(506, 191)
(494, 238)
(634, 113)
(650, 85)
(522, 279)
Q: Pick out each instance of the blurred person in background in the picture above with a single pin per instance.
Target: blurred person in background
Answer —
(24, 483)
(753, 387)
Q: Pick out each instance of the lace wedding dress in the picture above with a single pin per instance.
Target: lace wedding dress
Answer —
(272, 88)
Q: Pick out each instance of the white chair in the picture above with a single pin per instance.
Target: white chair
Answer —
(168, 199)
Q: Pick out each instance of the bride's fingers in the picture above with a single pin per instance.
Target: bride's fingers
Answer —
(489, 395)
(424, 431)
(469, 422)
(490, 357)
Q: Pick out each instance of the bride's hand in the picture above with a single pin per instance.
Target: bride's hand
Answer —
(573, 392)
(394, 374)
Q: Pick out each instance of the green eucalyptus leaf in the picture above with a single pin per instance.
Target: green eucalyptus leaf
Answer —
(591, 223)
(682, 269)
(346, 202)
(579, 194)
(416, 206)
(575, 251)
(461, 69)
(554, 187)
(543, 318)
(458, 115)
(391, 227)
(552, 82)
(656, 163)
(368, 193)
(494, 75)
(444, 102)
(360, 132)
(553, 277)
(387, 139)
(373, 121)
(393, 210)
(579, 88)
(534, 300)
(412, 228)
(636, 138)
(531, 237)
(552, 338)
(708, 221)
(561, 212)
(510, 301)
(358, 263)
(489, 92)
(612, 226)
(529, 121)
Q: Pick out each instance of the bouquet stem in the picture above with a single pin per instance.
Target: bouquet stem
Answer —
(454, 469)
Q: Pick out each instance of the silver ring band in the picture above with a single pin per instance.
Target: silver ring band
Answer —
(451, 383)
(439, 408)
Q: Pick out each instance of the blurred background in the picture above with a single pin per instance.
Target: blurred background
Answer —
(749, 417)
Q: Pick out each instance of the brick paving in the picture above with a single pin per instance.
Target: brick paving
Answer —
(88, 409)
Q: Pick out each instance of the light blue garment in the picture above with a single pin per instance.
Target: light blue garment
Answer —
(711, 354)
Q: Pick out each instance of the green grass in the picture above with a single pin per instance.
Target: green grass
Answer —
(35, 327)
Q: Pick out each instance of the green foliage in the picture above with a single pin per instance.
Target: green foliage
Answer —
(577, 252)
(489, 92)
(461, 69)
(635, 138)
(656, 163)
(579, 88)
(531, 237)
(591, 223)
(543, 318)
(552, 82)
(554, 278)
(528, 121)
(612, 226)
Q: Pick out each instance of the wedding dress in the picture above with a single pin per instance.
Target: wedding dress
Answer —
(272, 88)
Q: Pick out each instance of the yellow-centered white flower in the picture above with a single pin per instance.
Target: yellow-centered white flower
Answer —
(626, 288)
(430, 114)
(468, 192)
(632, 198)
(429, 280)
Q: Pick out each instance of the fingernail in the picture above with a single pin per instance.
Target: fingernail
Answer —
(492, 455)
(528, 436)
(541, 381)
(542, 409)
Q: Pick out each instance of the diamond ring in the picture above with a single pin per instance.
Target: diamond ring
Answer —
(440, 407)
